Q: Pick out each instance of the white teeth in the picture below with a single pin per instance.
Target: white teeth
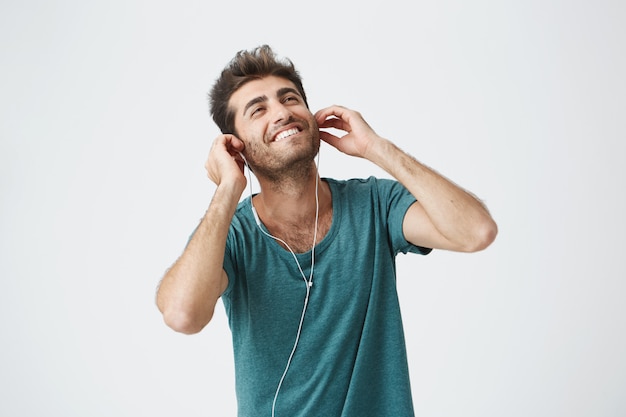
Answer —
(286, 133)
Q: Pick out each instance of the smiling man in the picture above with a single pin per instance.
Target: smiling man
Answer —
(306, 267)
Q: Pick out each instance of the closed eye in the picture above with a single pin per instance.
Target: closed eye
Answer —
(256, 111)
(291, 99)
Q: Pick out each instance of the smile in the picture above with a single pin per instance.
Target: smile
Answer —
(286, 134)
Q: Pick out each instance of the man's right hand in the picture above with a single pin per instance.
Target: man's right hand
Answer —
(224, 163)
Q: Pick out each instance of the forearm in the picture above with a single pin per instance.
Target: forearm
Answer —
(191, 287)
(459, 217)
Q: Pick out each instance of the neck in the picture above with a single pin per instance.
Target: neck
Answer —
(293, 215)
(296, 209)
(290, 200)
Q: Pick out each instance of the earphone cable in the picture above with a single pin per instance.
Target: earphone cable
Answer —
(308, 282)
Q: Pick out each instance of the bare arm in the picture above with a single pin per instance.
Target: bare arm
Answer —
(445, 216)
(190, 289)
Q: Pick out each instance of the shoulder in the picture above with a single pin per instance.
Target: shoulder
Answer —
(370, 187)
(243, 219)
(361, 183)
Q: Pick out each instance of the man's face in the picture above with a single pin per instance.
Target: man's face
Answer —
(277, 128)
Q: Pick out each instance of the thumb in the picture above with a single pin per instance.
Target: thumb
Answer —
(329, 138)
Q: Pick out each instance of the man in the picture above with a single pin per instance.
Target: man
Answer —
(306, 267)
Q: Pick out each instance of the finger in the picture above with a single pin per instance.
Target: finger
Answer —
(332, 111)
(224, 148)
(322, 113)
(329, 138)
(240, 162)
(233, 144)
(335, 123)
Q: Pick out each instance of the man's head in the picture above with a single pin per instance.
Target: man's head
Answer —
(243, 68)
(261, 101)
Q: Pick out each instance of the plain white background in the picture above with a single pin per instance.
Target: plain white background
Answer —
(105, 128)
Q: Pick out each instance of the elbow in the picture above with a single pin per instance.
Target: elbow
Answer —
(483, 236)
(185, 321)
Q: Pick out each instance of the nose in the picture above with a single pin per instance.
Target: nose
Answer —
(280, 113)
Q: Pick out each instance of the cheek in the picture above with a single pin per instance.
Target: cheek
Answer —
(250, 133)
(252, 142)
(252, 147)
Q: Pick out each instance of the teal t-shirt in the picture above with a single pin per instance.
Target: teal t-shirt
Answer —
(351, 356)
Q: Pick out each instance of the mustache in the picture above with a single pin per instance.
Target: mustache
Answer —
(302, 124)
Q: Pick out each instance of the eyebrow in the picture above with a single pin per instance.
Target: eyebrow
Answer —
(280, 93)
(254, 101)
(286, 90)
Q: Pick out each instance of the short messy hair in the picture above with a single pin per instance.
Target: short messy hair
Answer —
(244, 67)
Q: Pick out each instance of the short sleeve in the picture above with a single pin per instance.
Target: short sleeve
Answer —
(398, 200)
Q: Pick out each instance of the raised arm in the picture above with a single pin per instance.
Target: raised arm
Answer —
(445, 216)
(189, 291)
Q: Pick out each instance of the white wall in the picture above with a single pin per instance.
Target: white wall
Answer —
(105, 128)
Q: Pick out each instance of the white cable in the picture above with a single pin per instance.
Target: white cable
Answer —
(308, 283)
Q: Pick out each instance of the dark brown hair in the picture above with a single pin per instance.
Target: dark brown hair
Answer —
(244, 67)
